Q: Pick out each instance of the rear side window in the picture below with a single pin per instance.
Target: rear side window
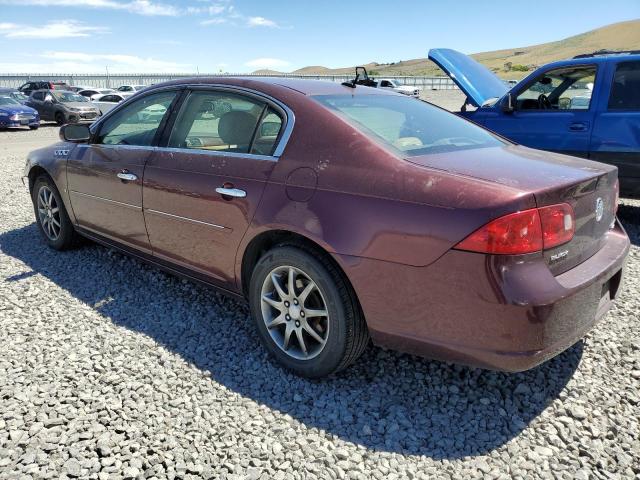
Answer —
(625, 90)
(38, 95)
(408, 125)
(225, 122)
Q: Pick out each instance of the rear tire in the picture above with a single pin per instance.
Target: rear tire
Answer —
(33, 127)
(59, 117)
(51, 216)
(317, 344)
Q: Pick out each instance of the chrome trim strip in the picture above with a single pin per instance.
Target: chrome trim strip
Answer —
(195, 151)
(107, 200)
(184, 219)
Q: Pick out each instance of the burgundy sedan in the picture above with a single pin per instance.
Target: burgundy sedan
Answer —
(345, 214)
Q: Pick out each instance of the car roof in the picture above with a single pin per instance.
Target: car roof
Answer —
(301, 85)
(596, 59)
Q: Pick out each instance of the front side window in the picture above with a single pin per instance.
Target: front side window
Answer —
(567, 88)
(408, 125)
(225, 122)
(625, 90)
(137, 123)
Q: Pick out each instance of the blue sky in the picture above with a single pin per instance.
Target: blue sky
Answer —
(243, 35)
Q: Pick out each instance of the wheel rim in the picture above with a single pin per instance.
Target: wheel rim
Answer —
(49, 213)
(295, 312)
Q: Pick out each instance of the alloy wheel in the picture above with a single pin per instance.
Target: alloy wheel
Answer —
(295, 312)
(49, 213)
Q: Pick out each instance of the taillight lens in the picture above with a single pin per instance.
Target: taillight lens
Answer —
(513, 234)
(523, 232)
(558, 224)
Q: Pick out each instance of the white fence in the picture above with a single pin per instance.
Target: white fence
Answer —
(113, 81)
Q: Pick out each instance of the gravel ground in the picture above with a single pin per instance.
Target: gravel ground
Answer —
(112, 369)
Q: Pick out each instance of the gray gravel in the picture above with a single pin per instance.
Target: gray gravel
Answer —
(112, 369)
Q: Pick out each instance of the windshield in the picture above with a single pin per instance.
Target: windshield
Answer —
(408, 125)
(66, 97)
(6, 101)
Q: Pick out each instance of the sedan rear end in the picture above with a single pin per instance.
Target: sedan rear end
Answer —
(537, 265)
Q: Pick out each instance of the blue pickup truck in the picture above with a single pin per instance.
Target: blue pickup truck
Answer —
(588, 106)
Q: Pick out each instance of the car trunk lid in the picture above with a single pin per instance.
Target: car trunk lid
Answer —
(474, 79)
(589, 187)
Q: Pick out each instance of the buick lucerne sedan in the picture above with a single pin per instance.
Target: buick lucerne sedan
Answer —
(342, 214)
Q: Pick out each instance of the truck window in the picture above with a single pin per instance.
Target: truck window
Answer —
(566, 88)
(625, 89)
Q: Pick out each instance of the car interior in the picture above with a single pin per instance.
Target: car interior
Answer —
(560, 89)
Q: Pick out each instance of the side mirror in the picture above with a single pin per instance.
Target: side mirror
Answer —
(506, 104)
(75, 133)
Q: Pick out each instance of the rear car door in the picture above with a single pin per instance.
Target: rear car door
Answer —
(36, 100)
(105, 176)
(203, 185)
(616, 134)
(553, 112)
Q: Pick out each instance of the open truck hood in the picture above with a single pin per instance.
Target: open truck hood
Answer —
(474, 79)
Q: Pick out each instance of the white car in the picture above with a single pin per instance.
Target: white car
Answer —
(94, 93)
(130, 89)
(394, 85)
(108, 101)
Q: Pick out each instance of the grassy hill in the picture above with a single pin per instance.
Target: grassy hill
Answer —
(513, 63)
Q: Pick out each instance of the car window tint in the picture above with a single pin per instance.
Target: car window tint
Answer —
(38, 96)
(267, 133)
(625, 90)
(409, 125)
(217, 121)
(567, 88)
(138, 123)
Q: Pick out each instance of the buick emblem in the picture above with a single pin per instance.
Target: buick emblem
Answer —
(599, 209)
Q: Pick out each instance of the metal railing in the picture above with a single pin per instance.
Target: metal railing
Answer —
(14, 80)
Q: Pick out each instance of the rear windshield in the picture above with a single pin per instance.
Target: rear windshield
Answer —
(408, 125)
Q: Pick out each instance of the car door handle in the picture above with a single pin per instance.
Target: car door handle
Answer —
(127, 176)
(578, 126)
(231, 192)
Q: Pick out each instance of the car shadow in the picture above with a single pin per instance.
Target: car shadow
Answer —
(387, 401)
(629, 215)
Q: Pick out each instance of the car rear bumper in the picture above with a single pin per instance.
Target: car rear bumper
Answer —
(477, 310)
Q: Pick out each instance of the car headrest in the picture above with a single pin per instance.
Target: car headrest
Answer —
(236, 128)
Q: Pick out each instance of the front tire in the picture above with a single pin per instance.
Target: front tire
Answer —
(51, 216)
(33, 127)
(306, 314)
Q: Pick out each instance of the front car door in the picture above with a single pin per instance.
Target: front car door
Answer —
(616, 134)
(554, 112)
(105, 176)
(202, 187)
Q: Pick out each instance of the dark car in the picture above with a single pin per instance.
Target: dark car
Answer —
(587, 106)
(29, 87)
(13, 93)
(345, 213)
(63, 106)
(14, 114)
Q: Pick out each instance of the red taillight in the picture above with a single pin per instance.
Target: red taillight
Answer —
(558, 224)
(512, 234)
(523, 232)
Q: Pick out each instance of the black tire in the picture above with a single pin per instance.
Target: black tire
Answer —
(347, 335)
(59, 117)
(67, 237)
(33, 127)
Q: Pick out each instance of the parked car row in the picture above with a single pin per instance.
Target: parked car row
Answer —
(59, 102)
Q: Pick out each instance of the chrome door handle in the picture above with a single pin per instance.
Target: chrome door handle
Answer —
(231, 192)
(129, 177)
